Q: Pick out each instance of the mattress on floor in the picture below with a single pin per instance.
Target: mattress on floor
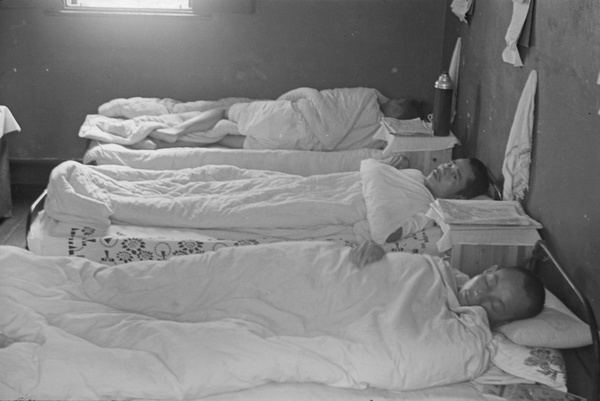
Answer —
(125, 243)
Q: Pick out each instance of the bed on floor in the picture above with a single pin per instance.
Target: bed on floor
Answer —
(184, 218)
(289, 321)
(423, 154)
(125, 132)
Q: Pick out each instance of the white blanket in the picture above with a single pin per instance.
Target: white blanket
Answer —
(224, 197)
(287, 161)
(304, 119)
(140, 132)
(233, 319)
(308, 119)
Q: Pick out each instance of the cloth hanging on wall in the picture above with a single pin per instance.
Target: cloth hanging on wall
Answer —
(461, 8)
(7, 122)
(517, 158)
(453, 72)
(516, 28)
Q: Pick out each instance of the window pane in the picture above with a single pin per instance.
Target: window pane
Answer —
(147, 4)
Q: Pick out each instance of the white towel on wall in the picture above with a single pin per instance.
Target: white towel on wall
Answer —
(517, 158)
(453, 72)
(7, 122)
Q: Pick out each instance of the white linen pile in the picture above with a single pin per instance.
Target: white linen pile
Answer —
(303, 119)
(229, 197)
(234, 319)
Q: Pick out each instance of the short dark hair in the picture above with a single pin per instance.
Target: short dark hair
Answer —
(412, 108)
(480, 184)
(535, 290)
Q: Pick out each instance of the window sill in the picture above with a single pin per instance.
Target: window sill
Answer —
(111, 13)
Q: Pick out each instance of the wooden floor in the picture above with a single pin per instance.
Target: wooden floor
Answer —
(12, 229)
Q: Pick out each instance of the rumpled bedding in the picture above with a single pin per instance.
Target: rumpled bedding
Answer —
(140, 132)
(308, 119)
(153, 106)
(303, 119)
(221, 197)
(200, 325)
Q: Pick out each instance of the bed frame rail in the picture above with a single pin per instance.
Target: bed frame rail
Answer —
(542, 253)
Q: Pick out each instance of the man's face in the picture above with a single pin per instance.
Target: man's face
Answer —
(448, 179)
(498, 291)
(395, 108)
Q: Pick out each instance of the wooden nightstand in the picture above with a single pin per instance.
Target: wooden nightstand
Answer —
(473, 251)
(424, 153)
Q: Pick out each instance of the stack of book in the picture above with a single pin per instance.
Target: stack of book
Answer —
(414, 127)
(484, 222)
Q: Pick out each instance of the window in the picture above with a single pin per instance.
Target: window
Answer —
(129, 6)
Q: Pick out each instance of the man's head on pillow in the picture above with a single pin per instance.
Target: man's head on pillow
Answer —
(459, 179)
(402, 109)
(506, 294)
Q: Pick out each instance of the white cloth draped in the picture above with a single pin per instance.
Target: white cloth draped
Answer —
(7, 122)
(517, 158)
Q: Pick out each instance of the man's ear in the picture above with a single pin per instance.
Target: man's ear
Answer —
(491, 269)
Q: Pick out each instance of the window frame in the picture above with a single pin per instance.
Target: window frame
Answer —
(76, 9)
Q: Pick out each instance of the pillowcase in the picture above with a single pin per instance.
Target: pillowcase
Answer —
(392, 197)
(556, 327)
(539, 364)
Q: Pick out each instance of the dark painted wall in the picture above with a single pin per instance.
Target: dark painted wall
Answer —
(56, 69)
(565, 173)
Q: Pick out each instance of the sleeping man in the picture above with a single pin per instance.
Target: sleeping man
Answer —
(244, 317)
(505, 293)
(378, 202)
(304, 119)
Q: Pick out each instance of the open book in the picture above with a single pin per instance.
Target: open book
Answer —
(481, 212)
(414, 127)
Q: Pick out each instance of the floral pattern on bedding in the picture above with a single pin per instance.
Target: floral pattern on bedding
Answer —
(547, 362)
(121, 248)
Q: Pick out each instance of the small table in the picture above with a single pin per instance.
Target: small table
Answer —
(424, 152)
(473, 251)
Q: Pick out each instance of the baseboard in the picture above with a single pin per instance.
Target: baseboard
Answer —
(31, 174)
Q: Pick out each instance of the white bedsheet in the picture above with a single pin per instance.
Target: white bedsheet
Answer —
(286, 161)
(234, 319)
(223, 197)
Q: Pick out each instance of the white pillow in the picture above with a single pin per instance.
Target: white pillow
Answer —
(392, 197)
(538, 364)
(555, 327)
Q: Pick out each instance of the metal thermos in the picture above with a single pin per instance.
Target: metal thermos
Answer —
(442, 105)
